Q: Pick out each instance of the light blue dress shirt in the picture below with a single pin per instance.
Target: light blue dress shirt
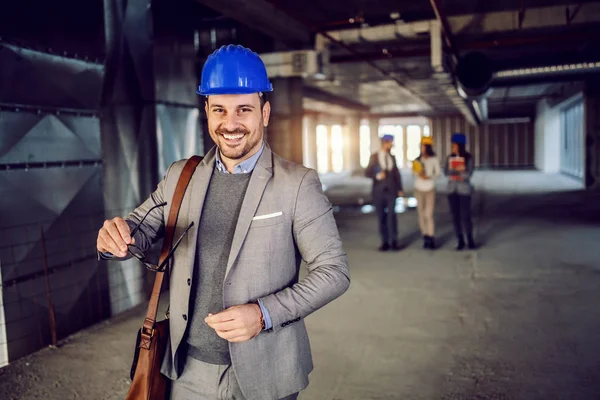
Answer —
(244, 167)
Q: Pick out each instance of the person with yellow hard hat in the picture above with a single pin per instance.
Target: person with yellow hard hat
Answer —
(426, 169)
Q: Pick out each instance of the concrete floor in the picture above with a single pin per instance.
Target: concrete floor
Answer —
(515, 319)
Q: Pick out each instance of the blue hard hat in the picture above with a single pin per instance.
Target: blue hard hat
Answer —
(234, 69)
(459, 138)
(387, 138)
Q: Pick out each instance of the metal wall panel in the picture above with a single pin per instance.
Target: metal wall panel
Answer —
(31, 137)
(179, 135)
(50, 185)
(50, 171)
(492, 145)
(35, 78)
(175, 69)
(128, 127)
(179, 108)
(150, 114)
(56, 157)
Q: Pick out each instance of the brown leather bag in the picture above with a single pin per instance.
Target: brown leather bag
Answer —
(147, 383)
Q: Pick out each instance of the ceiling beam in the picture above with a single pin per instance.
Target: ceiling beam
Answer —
(474, 110)
(491, 43)
(533, 18)
(314, 93)
(380, 55)
(264, 17)
(446, 28)
(387, 74)
(532, 80)
(524, 39)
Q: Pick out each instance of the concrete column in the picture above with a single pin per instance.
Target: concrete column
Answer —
(128, 130)
(284, 133)
(309, 147)
(374, 131)
(352, 143)
(592, 134)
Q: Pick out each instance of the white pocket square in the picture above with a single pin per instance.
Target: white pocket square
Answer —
(266, 216)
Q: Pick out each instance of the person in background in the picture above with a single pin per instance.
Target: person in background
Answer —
(459, 169)
(427, 169)
(387, 187)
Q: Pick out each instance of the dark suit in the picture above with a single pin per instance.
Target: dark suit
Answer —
(385, 193)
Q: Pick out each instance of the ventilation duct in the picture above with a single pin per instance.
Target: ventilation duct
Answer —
(301, 63)
(474, 75)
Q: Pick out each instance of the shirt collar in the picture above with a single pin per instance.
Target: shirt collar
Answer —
(244, 167)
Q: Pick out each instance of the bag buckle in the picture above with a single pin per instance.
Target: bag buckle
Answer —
(148, 329)
(147, 332)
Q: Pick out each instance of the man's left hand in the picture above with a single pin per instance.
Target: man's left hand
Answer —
(400, 193)
(237, 323)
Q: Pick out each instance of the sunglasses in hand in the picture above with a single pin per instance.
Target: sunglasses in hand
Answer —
(139, 254)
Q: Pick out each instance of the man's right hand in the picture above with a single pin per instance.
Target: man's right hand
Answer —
(381, 176)
(114, 236)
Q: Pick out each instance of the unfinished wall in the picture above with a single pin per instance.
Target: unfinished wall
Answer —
(50, 199)
(492, 145)
(592, 135)
(547, 137)
(81, 141)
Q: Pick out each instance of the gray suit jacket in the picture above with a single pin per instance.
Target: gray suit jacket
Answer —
(295, 222)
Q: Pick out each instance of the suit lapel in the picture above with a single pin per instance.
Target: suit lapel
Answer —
(198, 189)
(258, 182)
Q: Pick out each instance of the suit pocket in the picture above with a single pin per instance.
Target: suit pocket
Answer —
(267, 220)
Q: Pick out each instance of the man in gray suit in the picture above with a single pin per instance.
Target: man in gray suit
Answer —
(387, 187)
(237, 307)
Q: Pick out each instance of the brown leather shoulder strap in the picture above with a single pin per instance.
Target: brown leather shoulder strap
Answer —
(182, 184)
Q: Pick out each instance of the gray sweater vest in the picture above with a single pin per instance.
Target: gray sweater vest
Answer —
(217, 226)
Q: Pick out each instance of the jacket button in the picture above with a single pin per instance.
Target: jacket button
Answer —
(184, 317)
(189, 281)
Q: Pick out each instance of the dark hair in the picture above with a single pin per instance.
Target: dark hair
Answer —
(429, 150)
(462, 151)
(263, 100)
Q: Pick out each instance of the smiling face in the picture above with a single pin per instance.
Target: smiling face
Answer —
(236, 124)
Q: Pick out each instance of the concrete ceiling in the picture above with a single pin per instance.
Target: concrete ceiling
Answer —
(394, 75)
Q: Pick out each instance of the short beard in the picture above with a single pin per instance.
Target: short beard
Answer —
(239, 153)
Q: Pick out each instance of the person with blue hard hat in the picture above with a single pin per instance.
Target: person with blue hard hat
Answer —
(237, 306)
(387, 187)
(459, 169)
